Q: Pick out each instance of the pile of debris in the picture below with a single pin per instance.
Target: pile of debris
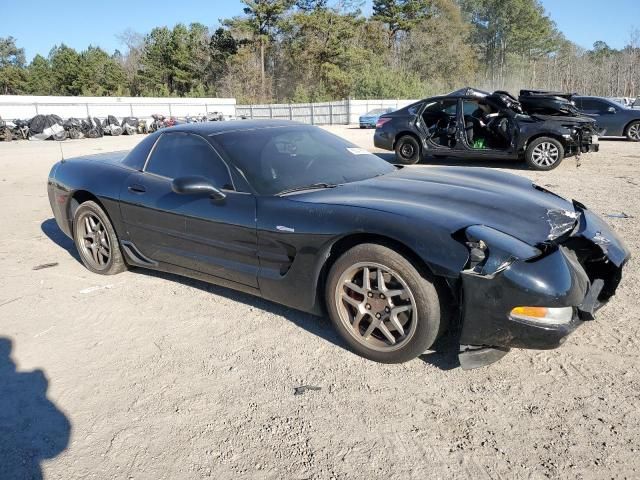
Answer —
(52, 127)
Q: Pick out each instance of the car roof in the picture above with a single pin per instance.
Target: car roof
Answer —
(215, 128)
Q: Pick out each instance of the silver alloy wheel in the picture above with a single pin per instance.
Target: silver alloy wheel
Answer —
(545, 154)
(376, 306)
(93, 240)
(407, 150)
(634, 131)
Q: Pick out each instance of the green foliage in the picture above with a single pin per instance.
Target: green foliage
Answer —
(12, 74)
(317, 50)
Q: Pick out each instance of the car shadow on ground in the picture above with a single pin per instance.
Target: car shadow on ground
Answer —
(443, 355)
(458, 162)
(32, 428)
(51, 229)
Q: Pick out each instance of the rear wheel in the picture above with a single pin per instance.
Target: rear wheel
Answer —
(408, 150)
(632, 131)
(544, 153)
(96, 240)
(381, 305)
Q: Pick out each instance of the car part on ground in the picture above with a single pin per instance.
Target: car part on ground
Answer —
(379, 243)
(473, 124)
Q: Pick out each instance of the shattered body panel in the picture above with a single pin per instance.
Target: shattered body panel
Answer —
(581, 268)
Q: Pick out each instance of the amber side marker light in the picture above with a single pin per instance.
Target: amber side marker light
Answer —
(543, 315)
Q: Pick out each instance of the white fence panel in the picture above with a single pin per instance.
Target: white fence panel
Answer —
(26, 106)
(324, 113)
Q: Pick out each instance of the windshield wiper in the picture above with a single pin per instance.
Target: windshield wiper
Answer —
(313, 186)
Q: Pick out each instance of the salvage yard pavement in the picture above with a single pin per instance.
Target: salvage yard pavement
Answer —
(149, 375)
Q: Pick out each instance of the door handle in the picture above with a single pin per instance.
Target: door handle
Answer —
(136, 188)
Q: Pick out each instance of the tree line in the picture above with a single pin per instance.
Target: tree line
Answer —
(317, 50)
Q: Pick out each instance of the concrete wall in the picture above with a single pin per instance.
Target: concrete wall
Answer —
(26, 106)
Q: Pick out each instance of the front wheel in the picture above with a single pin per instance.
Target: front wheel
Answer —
(96, 240)
(381, 305)
(408, 150)
(544, 153)
(632, 131)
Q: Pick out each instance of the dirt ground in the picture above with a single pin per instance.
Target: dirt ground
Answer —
(147, 375)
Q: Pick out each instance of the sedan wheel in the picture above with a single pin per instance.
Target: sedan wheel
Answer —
(633, 132)
(544, 153)
(381, 305)
(408, 150)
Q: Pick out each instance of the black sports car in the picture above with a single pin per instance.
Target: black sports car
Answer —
(395, 255)
(540, 127)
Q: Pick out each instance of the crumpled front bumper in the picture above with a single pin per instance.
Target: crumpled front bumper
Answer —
(581, 271)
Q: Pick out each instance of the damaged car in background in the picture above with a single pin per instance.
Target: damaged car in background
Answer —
(395, 256)
(541, 128)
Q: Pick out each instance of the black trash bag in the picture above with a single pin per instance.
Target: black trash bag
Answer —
(45, 127)
(73, 127)
(91, 128)
(129, 125)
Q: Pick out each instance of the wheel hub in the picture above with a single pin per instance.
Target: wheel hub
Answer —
(376, 306)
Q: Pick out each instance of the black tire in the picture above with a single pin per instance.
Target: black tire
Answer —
(104, 238)
(534, 155)
(427, 321)
(408, 151)
(632, 132)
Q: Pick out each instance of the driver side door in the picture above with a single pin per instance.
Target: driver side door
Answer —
(438, 122)
(605, 114)
(192, 231)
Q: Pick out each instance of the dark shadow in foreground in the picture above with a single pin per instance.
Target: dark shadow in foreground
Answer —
(51, 229)
(32, 428)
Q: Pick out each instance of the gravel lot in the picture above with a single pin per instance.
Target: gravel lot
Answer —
(149, 375)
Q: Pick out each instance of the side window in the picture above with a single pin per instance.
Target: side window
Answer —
(182, 154)
(415, 108)
(594, 106)
(442, 106)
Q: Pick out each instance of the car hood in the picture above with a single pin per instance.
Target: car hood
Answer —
(457, 197)
(105, 157)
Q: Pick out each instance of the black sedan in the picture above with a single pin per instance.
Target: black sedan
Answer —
(396, 256)
(614, 119)
(541, 128)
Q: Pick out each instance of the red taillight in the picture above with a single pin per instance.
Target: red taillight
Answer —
(381, 121)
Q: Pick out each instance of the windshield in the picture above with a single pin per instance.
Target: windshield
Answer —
(283, 158)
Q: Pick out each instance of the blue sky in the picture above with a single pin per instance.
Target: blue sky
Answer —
(42, 24)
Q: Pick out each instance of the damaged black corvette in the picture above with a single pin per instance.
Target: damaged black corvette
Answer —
(395, 255)
(541, 128)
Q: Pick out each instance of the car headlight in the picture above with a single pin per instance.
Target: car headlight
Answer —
(491, 251)
(543, 315)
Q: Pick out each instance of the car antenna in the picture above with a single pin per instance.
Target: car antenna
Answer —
(61, 153)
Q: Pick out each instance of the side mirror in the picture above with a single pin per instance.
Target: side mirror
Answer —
(611, 109)
(196, 185)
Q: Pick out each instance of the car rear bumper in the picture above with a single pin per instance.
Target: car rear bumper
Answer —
(382, 139)
(583, 272)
